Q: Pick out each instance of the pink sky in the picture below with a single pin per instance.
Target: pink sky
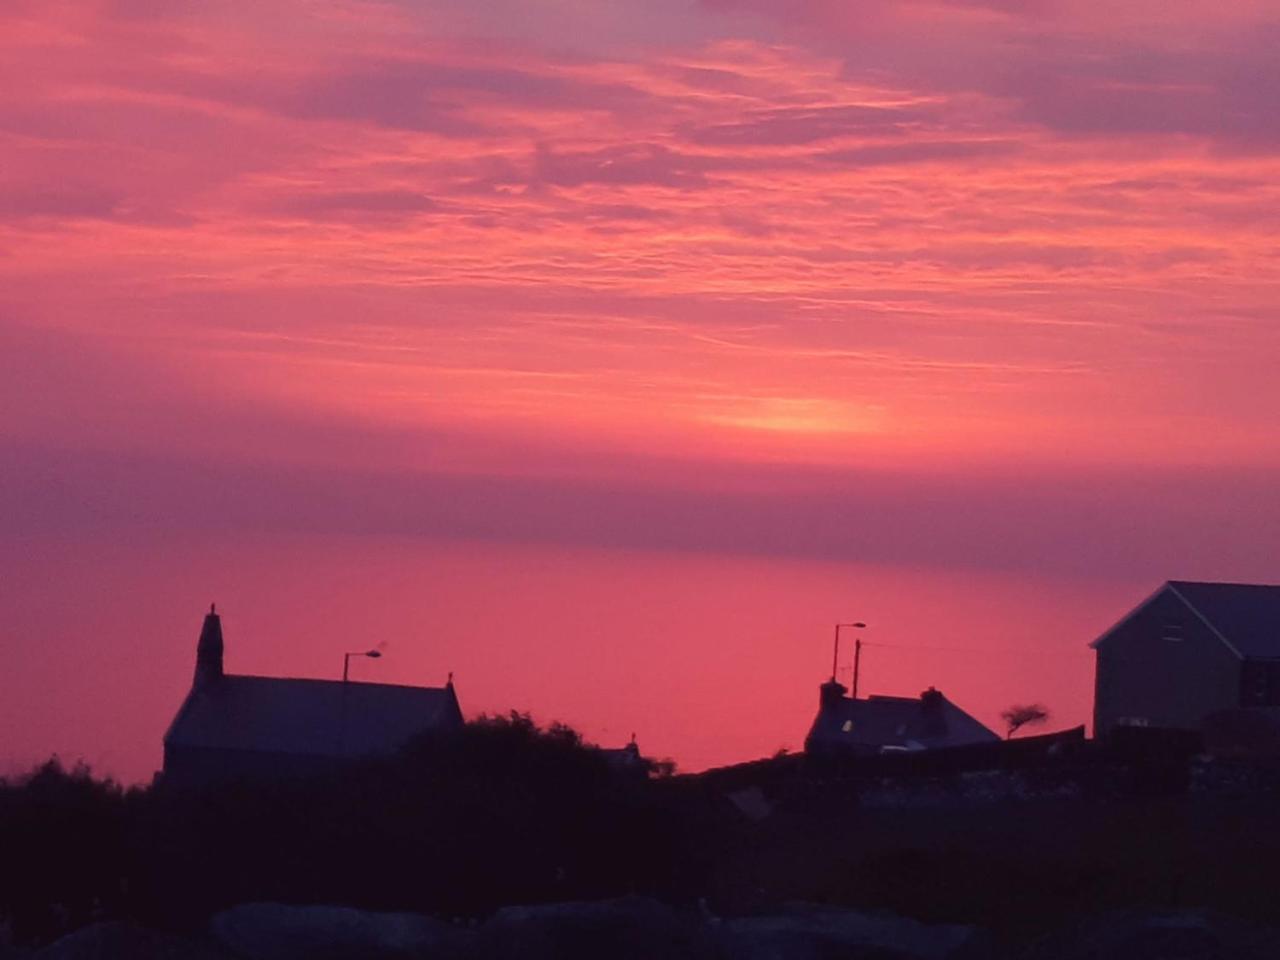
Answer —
(935, 300)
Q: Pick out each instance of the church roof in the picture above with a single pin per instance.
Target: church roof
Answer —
(321, 718)
(929, 721)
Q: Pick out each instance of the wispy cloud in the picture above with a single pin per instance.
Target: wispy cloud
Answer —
(989, 247)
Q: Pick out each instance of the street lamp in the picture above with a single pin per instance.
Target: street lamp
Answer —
(857, 653)
(346, 660)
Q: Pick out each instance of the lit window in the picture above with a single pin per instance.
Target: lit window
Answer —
(848, 726)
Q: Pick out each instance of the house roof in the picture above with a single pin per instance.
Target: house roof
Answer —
(621, 757)
(1244, 616)
(930, 721)
(327, 718)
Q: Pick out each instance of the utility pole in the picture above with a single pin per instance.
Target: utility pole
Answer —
(835, 652)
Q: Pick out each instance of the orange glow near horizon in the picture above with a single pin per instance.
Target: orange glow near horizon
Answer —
(793, 282)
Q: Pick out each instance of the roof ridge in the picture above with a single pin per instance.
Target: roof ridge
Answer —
(1226, 583)
(336, 683)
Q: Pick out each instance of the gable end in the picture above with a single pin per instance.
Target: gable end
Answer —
(1205, 620)
(1170, 588)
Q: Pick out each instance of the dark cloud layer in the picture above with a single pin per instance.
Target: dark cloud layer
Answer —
(1092, 523)
(18, 202)
(802, 125)
(354, 204)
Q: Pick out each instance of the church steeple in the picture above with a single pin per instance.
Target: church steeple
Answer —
(209, 650)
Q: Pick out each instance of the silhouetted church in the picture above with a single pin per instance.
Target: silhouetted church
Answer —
(231, 727)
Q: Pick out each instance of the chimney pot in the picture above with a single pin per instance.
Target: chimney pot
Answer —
(831, 692)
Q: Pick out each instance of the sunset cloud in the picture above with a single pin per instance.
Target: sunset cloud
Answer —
(394, 214)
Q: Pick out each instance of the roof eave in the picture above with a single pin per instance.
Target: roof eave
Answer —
(178, 717)
(1171, 587)
(1106, 635)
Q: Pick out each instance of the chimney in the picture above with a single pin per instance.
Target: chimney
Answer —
(209, 650)
(933, 717)
(831, 693)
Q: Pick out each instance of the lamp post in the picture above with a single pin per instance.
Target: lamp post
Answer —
(857, 653)
(346, 660)
(342, 720)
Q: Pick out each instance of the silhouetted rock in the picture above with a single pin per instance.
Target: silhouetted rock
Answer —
(1188, 935)
(273, 931)
(628, 928)
(809, 932)
(124, 941)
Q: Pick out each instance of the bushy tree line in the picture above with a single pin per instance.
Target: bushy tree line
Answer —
(507, 812)
(504, 812)
(64, 848)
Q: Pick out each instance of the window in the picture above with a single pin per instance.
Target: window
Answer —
(1260, 683)
(848, 726)
(1260, 686)
(1172, 631)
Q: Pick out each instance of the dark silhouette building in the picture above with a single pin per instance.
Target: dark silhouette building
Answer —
(238, 727)
(875, 725)
(1187, 651)
(627, 759)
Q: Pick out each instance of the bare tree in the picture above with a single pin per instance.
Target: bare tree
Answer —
(1017, 717)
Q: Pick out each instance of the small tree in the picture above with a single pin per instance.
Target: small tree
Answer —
(1017, 717)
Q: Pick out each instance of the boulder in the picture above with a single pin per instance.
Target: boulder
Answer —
(273, 931)
(1145, 935)
(628, 928)
(115, 940)
(811, 932)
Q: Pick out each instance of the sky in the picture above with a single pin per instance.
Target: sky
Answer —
(607, 353)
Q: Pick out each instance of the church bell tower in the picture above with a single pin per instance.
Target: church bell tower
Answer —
(209, 650)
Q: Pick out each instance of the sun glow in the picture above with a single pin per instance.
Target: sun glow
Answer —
(800, 415)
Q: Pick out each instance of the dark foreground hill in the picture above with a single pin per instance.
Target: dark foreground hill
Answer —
(1074, 854)
(639, 929)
